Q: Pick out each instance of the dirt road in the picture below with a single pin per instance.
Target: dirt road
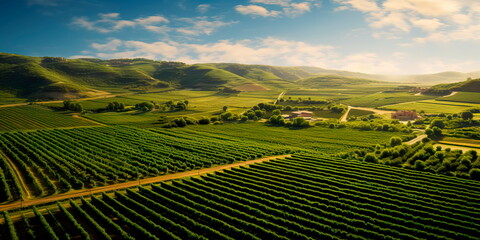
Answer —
(85, 192)
(417, 139)
(345, 115)
(89, 120)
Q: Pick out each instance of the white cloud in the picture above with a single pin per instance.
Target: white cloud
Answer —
(112, 45)
(201, 25)
(297, 9)
(275, 51)
(284, 3)
(256, 10)
(151, 20)
(394, 19)
(283, 8)
(445, 20)
(361, 5)
(427, 24)
(111, 22)
(203, 8)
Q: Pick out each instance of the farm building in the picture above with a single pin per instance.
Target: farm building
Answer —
(302, 114)
(404, 115)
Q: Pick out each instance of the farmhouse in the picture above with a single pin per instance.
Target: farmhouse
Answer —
(404, 115)
(302, 114)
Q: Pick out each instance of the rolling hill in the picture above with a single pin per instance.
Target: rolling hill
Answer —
(471, 85)
(49, 78)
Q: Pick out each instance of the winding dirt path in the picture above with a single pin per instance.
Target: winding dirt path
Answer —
(88, 120)
(345, 115)
(417, 139)
(17, 174)
(85, 192)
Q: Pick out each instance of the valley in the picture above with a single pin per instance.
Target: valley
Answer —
(136, 148)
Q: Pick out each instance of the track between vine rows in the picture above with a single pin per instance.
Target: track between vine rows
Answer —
(17, 174)
(85, 192)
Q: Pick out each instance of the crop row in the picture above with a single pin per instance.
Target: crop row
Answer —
(36, 117)
(50, 161)
(301, 197)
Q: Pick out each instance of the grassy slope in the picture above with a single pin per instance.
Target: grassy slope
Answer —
(471, 85)
(467, 97)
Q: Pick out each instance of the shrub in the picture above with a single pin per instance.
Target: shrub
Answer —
(475, 173)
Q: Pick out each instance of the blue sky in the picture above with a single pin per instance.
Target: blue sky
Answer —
(372, 36)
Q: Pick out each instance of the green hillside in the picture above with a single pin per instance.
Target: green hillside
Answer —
(264, 72)
(470, 85)
(330, 81)
(59, 78)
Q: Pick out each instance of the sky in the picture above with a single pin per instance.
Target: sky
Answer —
(370, 36)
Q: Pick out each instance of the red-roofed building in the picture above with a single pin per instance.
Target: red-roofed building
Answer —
(405, 115)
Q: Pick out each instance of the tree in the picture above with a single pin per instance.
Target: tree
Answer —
(66, 104)
(395, 141)
(370, 157)
(475, 173)
(111, 107)
(181, 106)
(437, 123)
(300, 122)
(225, 108)
(180, 122)
(204, 120)
(78, 107)
(467, 115)
(276, 112)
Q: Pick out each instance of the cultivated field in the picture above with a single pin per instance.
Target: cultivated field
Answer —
(36, 164)
(302, 197)
(38, 117)
(433, 106)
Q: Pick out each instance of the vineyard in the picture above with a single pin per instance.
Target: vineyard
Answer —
(46, 162)
(37, 117)
(303, 197)
(321, 139)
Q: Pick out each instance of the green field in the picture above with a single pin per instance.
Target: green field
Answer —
(57, 160)
(10, 98)
(358, 113)
(37, 117)
(302, 197)
(321, 139)
(201, 103)
(384, 98)
(466, 97)
(433, 106)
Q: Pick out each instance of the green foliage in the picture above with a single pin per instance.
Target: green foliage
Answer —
(300, 122)
(437, 123)
(395, 141)
(466, 115)
(267, 201)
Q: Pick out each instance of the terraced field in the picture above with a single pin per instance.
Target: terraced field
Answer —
(302, 197)
(37, 117)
